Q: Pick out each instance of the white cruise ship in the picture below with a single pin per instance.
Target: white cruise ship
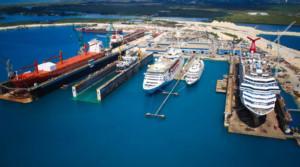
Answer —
(165, 68)
(194, 72)
(258, 88)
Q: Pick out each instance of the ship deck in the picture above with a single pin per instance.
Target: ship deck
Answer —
(161, 66)
(251, 71)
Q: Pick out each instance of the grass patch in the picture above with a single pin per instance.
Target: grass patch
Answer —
(164, 23)
(230, 35)
(214, 34)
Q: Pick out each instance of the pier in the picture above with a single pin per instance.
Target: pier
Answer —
(157, 112)
(229, 93)
(178, 78)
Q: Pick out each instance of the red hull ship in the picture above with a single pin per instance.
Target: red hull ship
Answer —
(45, 71)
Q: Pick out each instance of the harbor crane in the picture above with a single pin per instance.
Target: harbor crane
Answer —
(277, 40)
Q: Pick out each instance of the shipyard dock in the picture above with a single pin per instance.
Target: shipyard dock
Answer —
(27, 95)
(115, 79)
(235, 118)
(232, 114)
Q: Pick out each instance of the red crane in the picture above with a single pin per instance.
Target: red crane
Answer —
(253, 46)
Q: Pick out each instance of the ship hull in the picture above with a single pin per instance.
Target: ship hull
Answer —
(128, 38)
(40, 77)
(52, 84)
(193, 81)
(73, 76)
(249, 103)
(157, 88)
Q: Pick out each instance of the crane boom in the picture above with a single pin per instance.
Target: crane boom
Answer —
(278, 46)
(285, 30)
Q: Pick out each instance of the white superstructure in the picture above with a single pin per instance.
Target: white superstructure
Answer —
(47, 66)
(165, 68)
(258, 88)
(95, 46)
(194, 72)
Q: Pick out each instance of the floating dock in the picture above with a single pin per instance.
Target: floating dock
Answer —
(27, 95)
(120, 78)
(92, 79)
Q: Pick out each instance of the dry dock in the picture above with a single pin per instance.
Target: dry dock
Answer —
(120, 78)
(92, 79)
(27, 95)
(270, 128)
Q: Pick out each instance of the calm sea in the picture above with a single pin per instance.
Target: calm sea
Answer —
(58, 131)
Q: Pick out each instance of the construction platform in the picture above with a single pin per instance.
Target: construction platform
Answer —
(221, 86)
(269, 129)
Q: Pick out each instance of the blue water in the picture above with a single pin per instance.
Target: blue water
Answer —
(268, 27)
(58, 131)
(289, 41)
(22, 47)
